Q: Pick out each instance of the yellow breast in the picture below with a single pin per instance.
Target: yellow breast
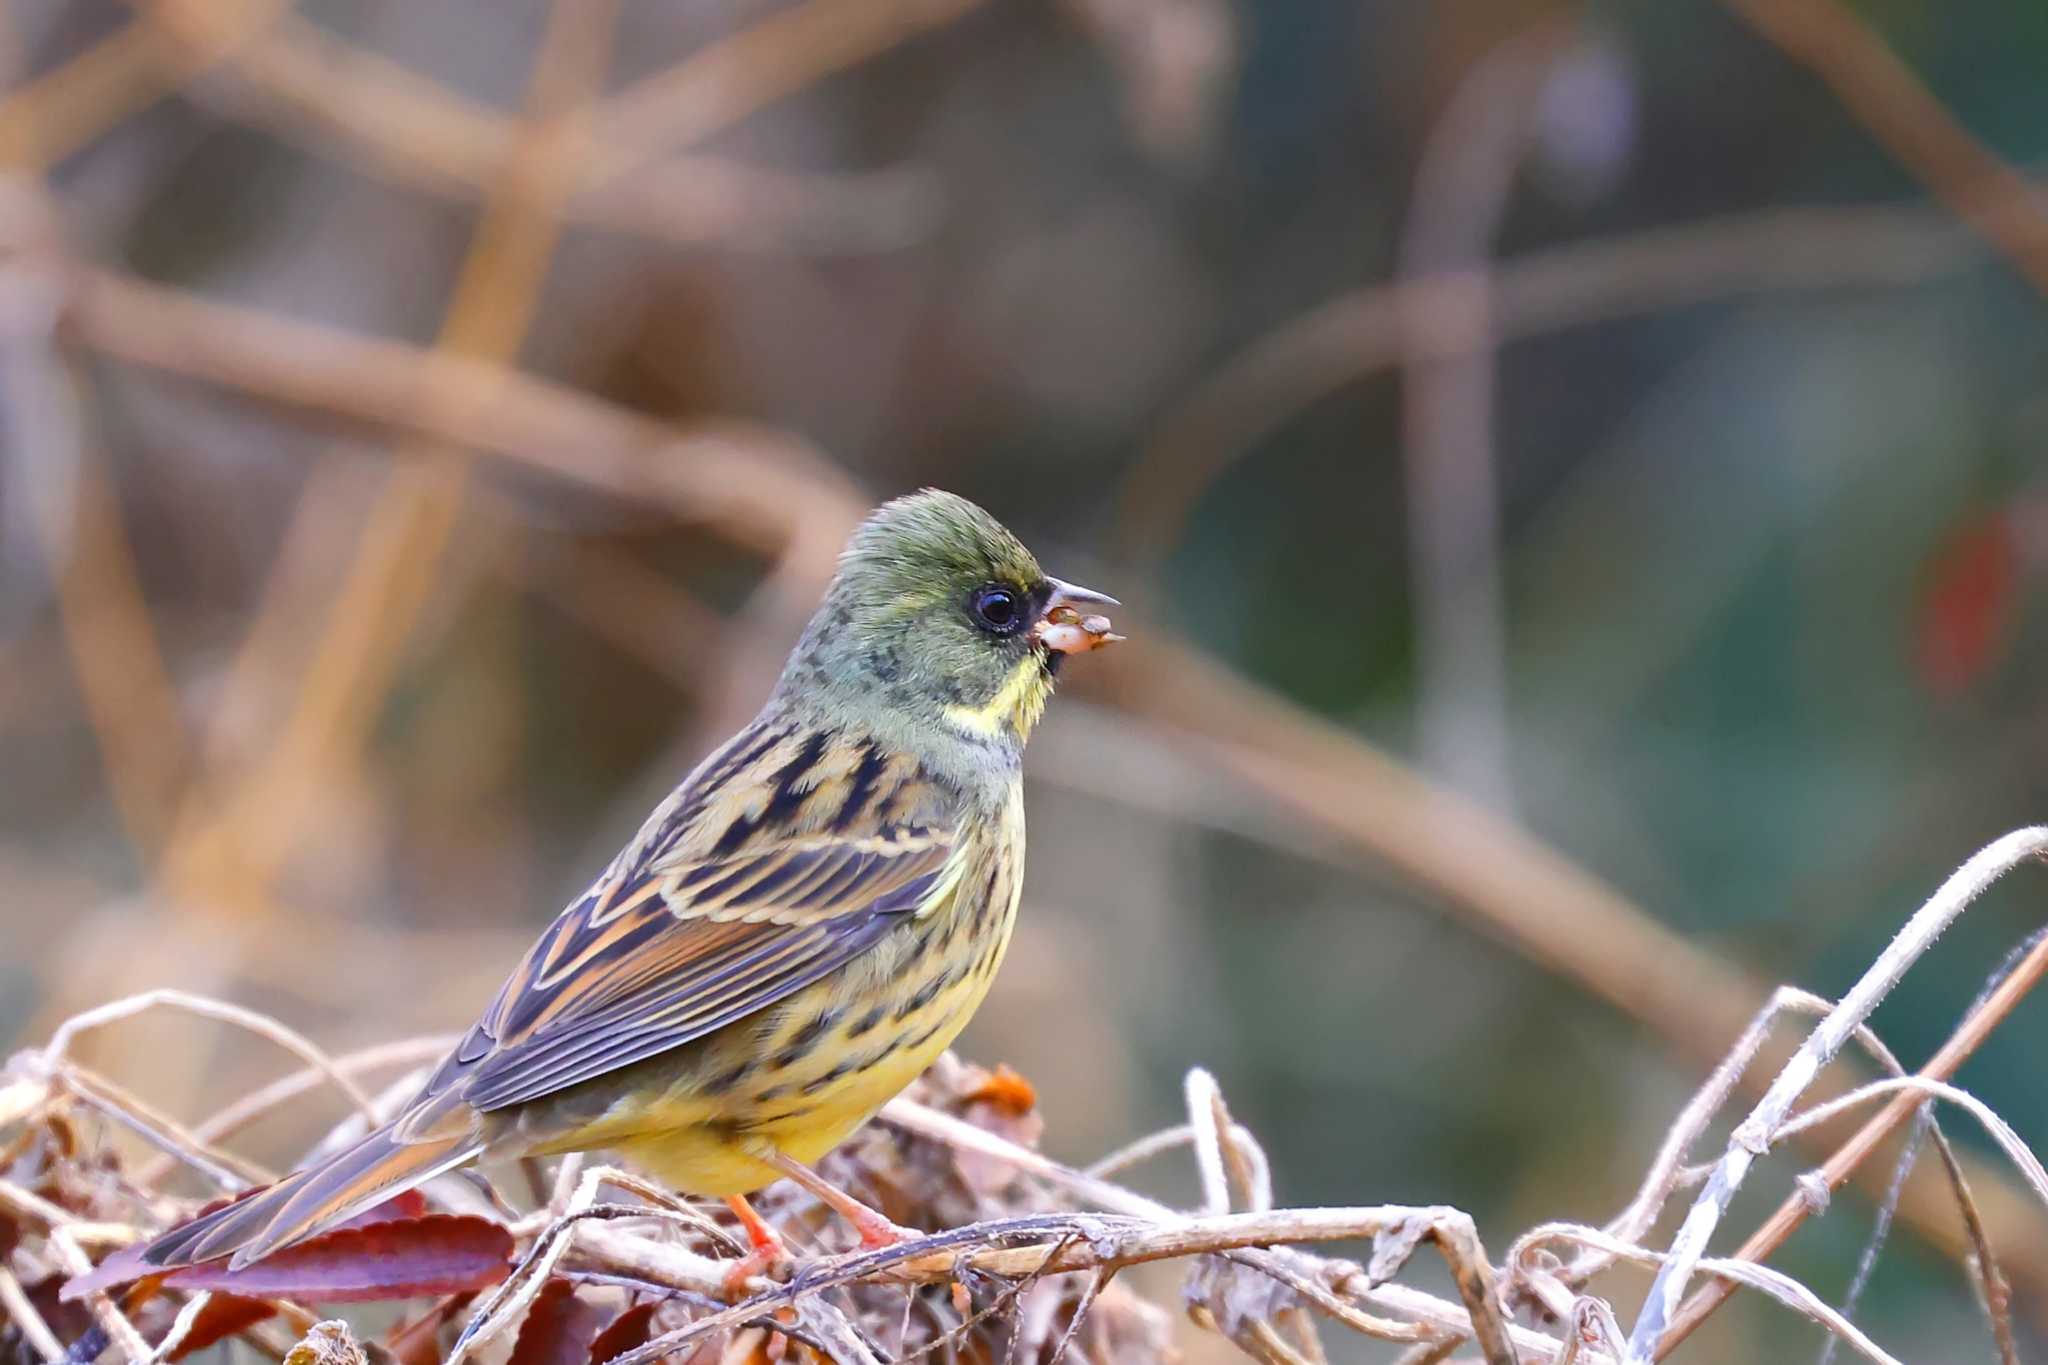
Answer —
(802, 1077)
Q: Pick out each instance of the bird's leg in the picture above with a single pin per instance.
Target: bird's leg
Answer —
(874, 1228)
(767, 1249)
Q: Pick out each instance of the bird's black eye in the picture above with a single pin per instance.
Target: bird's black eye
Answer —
(997, 609)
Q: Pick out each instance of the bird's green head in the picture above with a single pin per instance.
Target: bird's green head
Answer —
(941, 629)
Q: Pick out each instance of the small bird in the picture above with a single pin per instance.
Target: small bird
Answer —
(794, 934)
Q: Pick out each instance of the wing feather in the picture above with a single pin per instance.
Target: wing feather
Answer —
(784, 858)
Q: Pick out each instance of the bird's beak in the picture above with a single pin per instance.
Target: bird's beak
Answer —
(1064, 628)
(1065, 594)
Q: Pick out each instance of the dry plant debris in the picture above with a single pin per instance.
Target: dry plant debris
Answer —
(1023, 1259)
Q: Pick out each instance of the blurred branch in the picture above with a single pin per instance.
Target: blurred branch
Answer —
(247, 708)
(127, 688)
(1905, 118)
(725, 81)
(121, 75)
(420, 133)
(48, 118)
(1550, 910)
(641, 613)
(409, 1052)
(762, 489)
(236, 850)
(1467, 170)
(1362, 333)
(1178, 60)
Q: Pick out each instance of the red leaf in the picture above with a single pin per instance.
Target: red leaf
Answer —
(127, 1264)
(558, 1329)
(119, 1268)
(224, 1316)
(628, 1330)
(1969, 603)
(439, 1254)
(404, 1205)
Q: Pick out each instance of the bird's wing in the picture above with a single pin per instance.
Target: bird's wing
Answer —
(786, 856)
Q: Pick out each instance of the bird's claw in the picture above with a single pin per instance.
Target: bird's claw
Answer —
(771, 1259)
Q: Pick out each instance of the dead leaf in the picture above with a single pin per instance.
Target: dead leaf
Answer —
(558, 1329)
(417, 1342)
(626, 1331)
(224, 1315)
(394, 1259)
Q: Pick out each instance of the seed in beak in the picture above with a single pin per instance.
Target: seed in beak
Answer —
(1066, 631)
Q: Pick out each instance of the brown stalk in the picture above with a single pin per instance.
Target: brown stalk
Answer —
(1905, 118)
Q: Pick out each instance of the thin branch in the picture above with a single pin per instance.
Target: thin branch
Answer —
(1663, 1323)
(1734, 1271)
(2003, 1133)
(727, 80)
(1205, 1121)
(1462, 183)
(1909, 122)
(27, 1320)
(295, 77)
(237, 856)
(1104, 1242)
(1141, 1150)
(252, 1021)
(226, 1122)
(127, 688)
(166, 1134)
(65, 110)
(1359, 334)
(958, 1133)
(764, 490)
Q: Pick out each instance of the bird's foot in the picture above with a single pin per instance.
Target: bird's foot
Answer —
(766, 1251)
(876, 1231)
(874, 1227)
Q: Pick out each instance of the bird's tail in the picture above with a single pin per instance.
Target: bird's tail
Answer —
(310, 1201)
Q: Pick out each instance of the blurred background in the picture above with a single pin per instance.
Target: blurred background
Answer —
(1575, 473)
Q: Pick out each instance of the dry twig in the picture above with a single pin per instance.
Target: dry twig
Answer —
(1753, 1137)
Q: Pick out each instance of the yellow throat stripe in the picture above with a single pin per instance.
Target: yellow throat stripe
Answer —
(1017, 705)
